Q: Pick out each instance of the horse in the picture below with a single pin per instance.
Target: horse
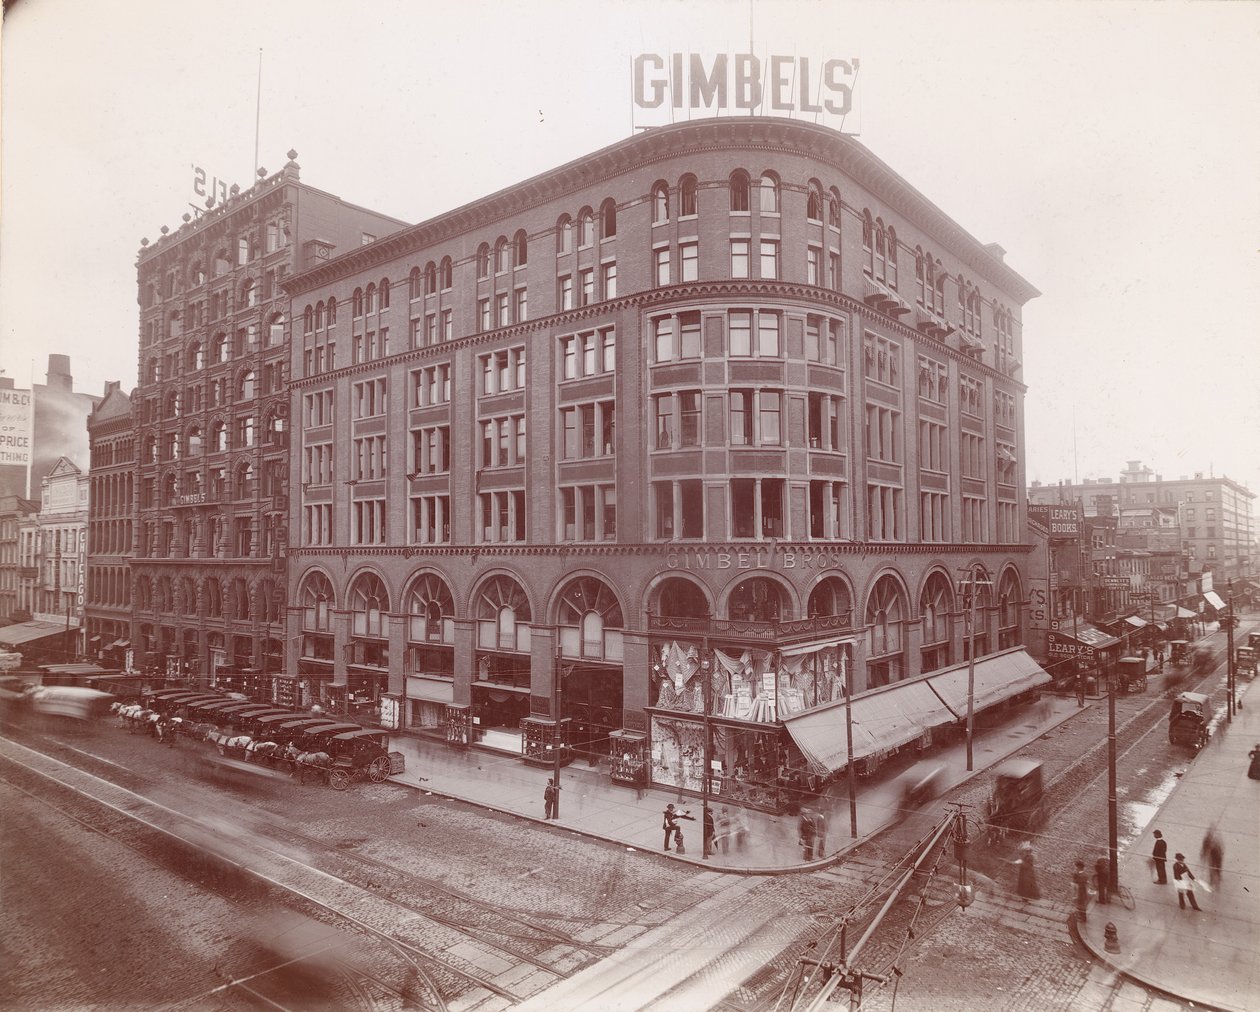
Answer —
(259, 751)
(302, 761)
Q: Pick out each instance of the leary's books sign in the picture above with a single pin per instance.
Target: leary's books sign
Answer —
(673, 87)
(16, 423)
(1061, 523)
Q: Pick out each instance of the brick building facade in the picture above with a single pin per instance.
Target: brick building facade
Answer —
(729, 397)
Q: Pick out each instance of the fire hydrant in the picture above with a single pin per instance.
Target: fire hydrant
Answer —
(1111, 939)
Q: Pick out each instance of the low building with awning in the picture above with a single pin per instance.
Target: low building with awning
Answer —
(1082, 642)
(29, 632)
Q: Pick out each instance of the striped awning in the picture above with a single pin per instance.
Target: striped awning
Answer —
(997, 677)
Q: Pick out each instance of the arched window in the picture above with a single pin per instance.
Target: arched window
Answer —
(739, 186)
(688, 203)
(830, 598)
(242, 251)
(221, 351)
(383, 290)
(238, 603)
(444, 274)
(243, 483)
(814, 202)
(501, 255)
(317, 603)
(196, 356)
(319, 315)
(414, 283)
(222, 264)
(757, 599)
(586, 227)
(308, 320)
(144, 594)
(174, 328)
(430, 278)
(885, 613)
(194, 441)
(332, 311)
(892, 257)
(520, 244)
(590, 620)
(660, 203)
(356, 301)
(833, 209)
(608, 219)
(768, 187)
(249, 293)
(275, 330)
(564, 234)
(430, 611)
(246, 387)
(483, 261)
(219, 435)
(503, 616)
(369, 604)
(1010, 600)
(370, 303)
(214, 597)
(678, 597)
(868, 241)
(935, 609)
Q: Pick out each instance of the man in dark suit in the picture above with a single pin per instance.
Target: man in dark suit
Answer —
(1160, 856)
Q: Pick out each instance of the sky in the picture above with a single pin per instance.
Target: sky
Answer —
(1111, 148)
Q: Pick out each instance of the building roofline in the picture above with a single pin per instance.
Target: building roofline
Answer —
(844, 152)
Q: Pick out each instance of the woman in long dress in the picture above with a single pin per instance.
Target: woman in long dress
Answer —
(1026, 885)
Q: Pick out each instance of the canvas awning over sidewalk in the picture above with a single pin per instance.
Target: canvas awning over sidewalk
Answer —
(28, 632)
(882, 719)
(998, 677)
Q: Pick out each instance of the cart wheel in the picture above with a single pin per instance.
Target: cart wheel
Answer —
(379, 769)
(338, 780)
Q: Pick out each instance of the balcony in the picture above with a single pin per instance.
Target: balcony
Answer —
(781, 633)
(931, 325)
(880, 298)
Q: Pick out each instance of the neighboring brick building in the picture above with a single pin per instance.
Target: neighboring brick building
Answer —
(13, 510)
(731, 385)
(1212, 517)
(211, 420)
(111, 519)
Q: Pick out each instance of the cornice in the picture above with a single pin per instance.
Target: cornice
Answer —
(474, 553)
(841, 152)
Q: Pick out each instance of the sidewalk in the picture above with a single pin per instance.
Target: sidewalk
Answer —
(1211, 957)
(593, 805)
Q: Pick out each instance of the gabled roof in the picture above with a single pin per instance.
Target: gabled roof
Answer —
(64, 465)
(113, 405)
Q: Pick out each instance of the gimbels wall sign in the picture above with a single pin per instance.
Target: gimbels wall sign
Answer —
(673, 87)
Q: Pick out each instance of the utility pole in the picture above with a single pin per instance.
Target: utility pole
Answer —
(848, 731)
(1113, 832)
(1231, 674)
(555, 716)
(971, 583)
(705, 673)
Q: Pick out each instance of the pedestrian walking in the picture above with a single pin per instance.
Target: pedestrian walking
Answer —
(1080, 881)
(805, 830)
(740, 830)
(1159, 858)
(1026, 883)
(723, 837)
(1102, 879)
(1212, 853)
(820, 835)
(1253, 771)
(1183, 882)
(710, 830)
(1080, 689)
(1159, 656)
(551, 794)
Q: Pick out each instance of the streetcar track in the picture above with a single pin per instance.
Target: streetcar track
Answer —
(443, 964)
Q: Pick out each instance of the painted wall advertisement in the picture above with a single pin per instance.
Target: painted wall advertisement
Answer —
(16, 424)
(1060, 523)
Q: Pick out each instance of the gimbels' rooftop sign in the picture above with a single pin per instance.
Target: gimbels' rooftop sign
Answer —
(678, 86)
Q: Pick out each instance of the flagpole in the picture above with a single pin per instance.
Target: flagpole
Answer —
(257, 120)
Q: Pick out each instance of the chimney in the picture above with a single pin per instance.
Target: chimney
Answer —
(59, 372)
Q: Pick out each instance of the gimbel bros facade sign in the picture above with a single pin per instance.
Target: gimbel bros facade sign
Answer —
(677, 86)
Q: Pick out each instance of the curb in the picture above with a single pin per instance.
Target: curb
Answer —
(791, 869)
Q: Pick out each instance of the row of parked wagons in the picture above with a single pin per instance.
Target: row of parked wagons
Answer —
(249, 737)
